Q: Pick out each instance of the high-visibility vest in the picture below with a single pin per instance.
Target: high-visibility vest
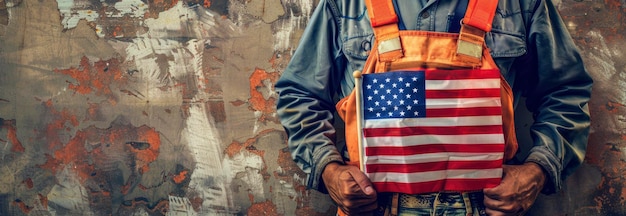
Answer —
(395, 50)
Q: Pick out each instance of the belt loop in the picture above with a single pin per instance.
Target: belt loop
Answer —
(468, 204)
(394, 204)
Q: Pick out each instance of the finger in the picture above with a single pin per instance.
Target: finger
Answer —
(493, 192)
(364, 183)
(501, 206)
(492, 212)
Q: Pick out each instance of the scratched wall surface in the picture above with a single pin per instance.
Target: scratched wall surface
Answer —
(166, 107)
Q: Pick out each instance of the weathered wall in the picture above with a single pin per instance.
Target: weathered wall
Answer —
(130, 107)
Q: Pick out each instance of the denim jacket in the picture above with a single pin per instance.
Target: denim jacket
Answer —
(529, 42)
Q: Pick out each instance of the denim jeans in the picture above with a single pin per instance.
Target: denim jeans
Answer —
(444, 203)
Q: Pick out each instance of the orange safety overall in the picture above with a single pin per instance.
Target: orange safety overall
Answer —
(421, 50)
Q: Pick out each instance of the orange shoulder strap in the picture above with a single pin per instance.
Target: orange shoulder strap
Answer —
(480, 14)
(382, 13)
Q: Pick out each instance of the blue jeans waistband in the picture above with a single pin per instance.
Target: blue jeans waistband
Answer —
(441, 203)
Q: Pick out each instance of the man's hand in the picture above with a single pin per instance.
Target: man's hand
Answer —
(518, 190)
(351, 190)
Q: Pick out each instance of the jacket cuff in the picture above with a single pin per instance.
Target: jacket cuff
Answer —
(323, 157)
(551, 165)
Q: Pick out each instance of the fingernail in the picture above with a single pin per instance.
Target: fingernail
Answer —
(369, 190)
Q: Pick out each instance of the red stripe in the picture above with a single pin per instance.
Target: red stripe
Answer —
(458, 112)
(434, 148)
(433, 166)
(461, 74)
(458, 185)
(412, 131)
(462, 93)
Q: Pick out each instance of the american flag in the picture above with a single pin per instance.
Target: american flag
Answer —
(433, 130)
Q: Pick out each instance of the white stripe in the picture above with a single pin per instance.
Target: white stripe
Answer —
(462, 103)
(463, 84)
(393, 141)
(435, 175)
(433, 157)
(438, 122)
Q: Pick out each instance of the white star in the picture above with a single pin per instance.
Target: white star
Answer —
(382, 97)
(369, 98)
(395, 108)
(400, 79)
(375, 91)
(375, 81)
(388, 91)
(383, 109)
(408, 96)
(395, 96)
(377, 103)
(381, 86)
(416, 113)
(407, 84)
(370, 109)
(369, 86)
(401, 90)
(377, 114)
(390, 114)
(388, 102)
(401, 102)
(401, 113)
(394, 85)
(414, 78)
(414, 90)
(387, 80)
(408, 107)
(416, 102)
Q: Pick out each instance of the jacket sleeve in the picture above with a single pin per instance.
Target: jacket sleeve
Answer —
(306, 88)
(557, 94)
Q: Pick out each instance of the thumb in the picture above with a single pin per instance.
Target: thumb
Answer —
(364, 183)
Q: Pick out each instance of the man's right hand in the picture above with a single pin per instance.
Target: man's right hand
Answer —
(351, 190)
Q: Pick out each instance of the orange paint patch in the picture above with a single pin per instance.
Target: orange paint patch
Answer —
(43, 200)
(207, 3)
(257, 101)
(25, 208)
(10, 126)
(95, 79)
(108, 144)
(266, 208)
(235, 147)
(180, 177)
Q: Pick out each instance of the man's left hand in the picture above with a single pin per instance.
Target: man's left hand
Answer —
(520, 186)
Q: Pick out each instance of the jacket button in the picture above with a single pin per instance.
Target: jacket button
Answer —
(425, 15)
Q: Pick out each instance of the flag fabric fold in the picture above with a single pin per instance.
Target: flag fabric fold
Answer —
(432, 130)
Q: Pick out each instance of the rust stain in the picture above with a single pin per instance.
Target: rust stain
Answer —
(95, 79)
(10, 126)
(257, 101)
(180, 177)
(43, 200)
(28, 182)
(266, 208)
(251, 198)
(613, 107)
(60, 120)
(235, 147)
(25, 208)
(157, 6)
(237, 103)
(94, 146)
